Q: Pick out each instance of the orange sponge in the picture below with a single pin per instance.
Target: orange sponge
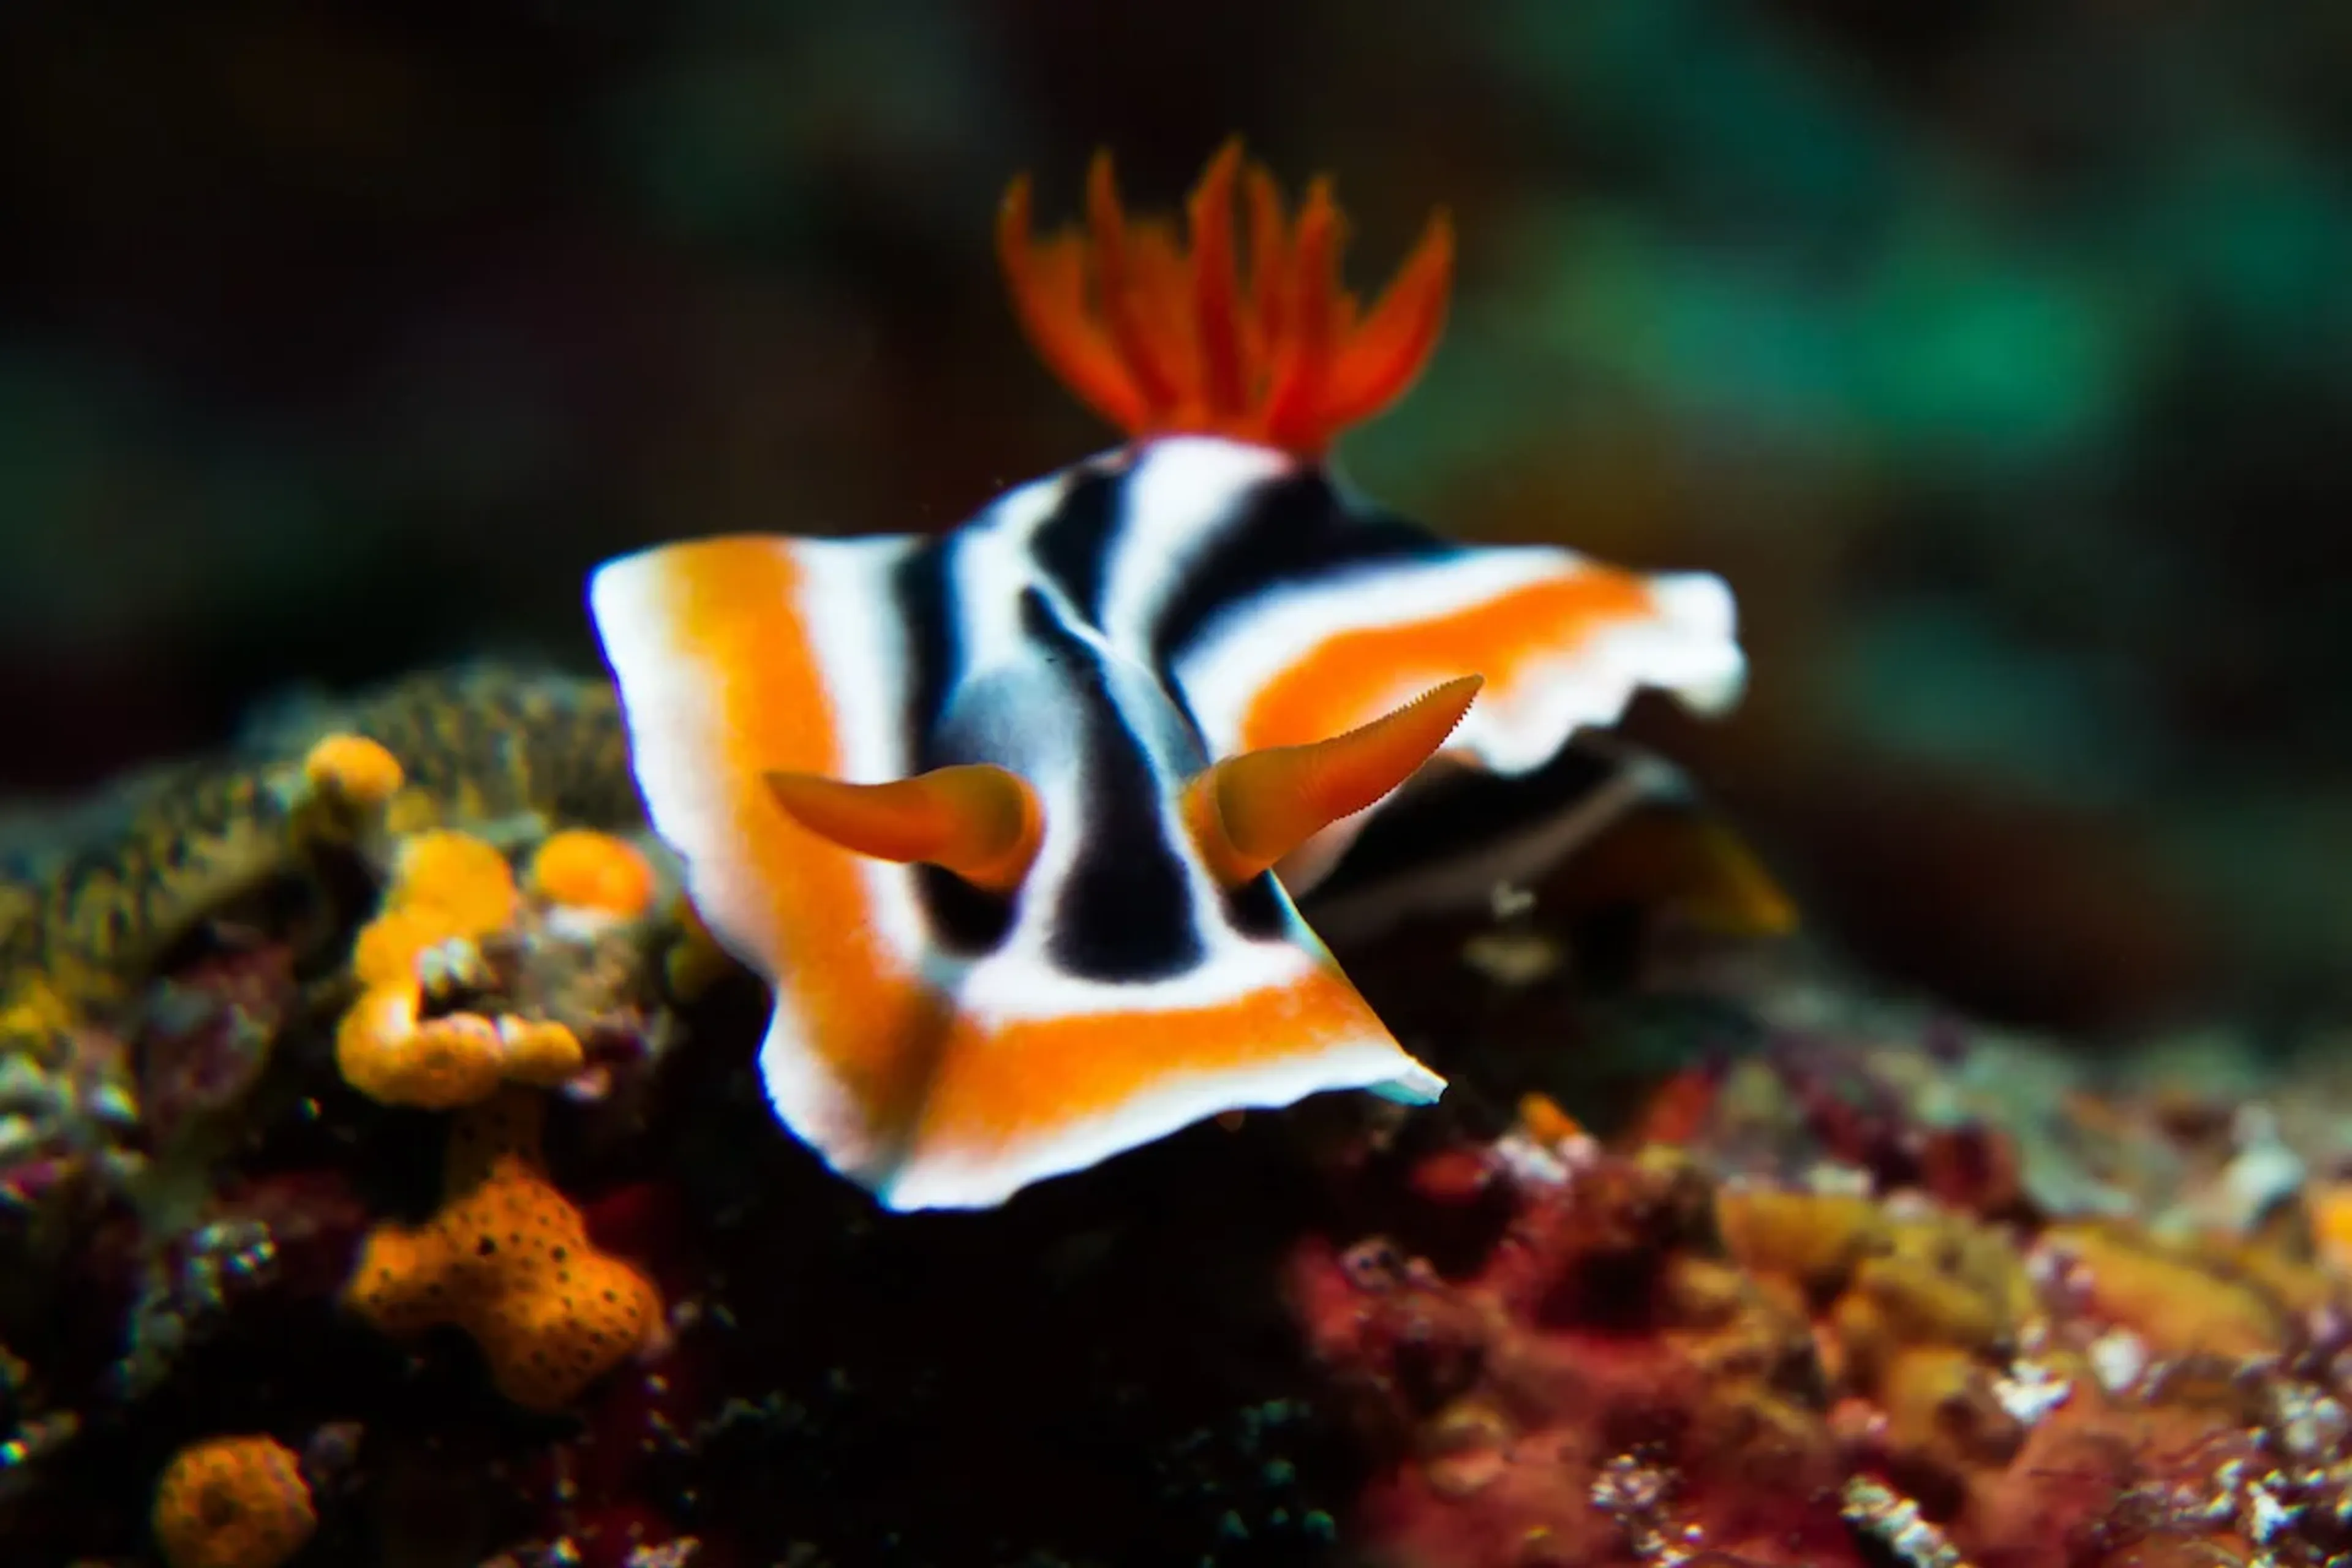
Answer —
(509, 1260)
(389, 1054)
(595, 872)
(347, 789)
(460, 880)
(352, 769)
(232, 1502)
(449, 890)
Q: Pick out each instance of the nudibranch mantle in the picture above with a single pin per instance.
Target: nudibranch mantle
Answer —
(1068, 676)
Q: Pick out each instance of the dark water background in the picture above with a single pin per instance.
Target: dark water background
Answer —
(2000, 354)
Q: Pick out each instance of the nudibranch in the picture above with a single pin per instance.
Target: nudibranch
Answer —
(1012, 819)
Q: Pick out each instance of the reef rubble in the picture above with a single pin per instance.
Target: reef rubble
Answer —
(384, 1178)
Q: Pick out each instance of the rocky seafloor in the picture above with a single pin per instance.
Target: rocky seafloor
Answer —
(384, 1178)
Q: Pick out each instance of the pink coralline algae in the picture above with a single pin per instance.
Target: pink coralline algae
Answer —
(1599, 1358)
(1601, 1386)
(1803, 1279)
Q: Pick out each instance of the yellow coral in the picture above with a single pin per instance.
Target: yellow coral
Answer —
(2182, 1301)
(1915, 1314)
(509, 1260)
(582, 869)
(32, 1015)
(232, 1502)
(1814, 1239)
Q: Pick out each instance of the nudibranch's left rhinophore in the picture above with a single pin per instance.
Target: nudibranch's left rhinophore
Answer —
(1012, 819)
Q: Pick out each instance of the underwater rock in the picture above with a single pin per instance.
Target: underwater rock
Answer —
(1711, 1255)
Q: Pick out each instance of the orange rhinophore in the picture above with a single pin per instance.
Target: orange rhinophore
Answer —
(975, 819)
(1253, 809)
(1163, 339)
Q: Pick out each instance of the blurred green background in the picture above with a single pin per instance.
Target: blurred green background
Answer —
(1999, 354)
